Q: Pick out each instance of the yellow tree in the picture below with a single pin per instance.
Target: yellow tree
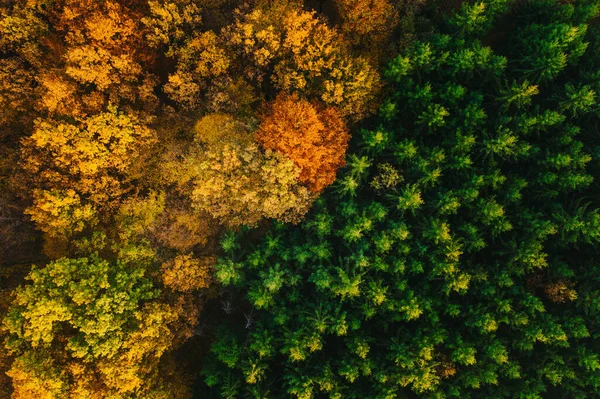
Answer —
(92, 156)
(79, 169)
(186, 273)
(169, 21)
(239, 184)
(296, 51)
(270, 48)
(16, 92)
(202, 60)
(22, 25)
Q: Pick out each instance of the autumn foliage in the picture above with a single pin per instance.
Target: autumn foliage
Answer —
(186, 273)
(91, 328)
(367, 20)
(242, 185)
(315, 138)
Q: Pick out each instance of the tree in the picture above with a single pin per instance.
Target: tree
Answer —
(22, 25)
(89, 327)
(238, 184)
(168, 22)
(368, 24)
(213, 129)
(271, 48)
(91, 156)
(315, 139)
(185, 273)
(200, 61)
(16, 92)
(60, 215)
(98, 56)
(305, 55)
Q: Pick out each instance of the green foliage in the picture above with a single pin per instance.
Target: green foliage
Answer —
(457, 255)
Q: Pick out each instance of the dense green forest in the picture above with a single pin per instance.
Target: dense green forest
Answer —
(300, 199)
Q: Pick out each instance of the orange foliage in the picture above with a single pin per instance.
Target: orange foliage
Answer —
(103, 59)
(315, 139)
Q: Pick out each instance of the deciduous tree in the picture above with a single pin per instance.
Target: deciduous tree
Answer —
(239, 184)
(314, 138)
(89, 327)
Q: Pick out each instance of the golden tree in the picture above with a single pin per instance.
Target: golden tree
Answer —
(200, 61)
(239, 184)
(91, 156)
(367, 20)
(269, 48)
(297, 52)
(185, 273)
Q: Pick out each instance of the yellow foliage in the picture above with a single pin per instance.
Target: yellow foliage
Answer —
(202, 59)
(20, 31)
(35, 376)
(87, 328)
(367, 20)
(215, 128)
(138, 216)
(257, 38)
(186, 273)
(91, 157)
(58, 95)
(95, 65)
(103, 55)
(233, 96)
(205, 55)
(183, 89)
(60, 213)
(278, 45)
(16, 92)
(242, 185)
(168, 19)
(298, 52)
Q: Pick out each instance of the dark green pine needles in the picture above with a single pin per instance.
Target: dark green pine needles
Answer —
(457, 256)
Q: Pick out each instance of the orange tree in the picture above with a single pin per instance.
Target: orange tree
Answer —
(315, 138)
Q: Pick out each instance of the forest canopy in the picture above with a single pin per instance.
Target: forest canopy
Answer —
(306, 199)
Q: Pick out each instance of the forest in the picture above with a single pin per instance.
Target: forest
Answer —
(306, 199)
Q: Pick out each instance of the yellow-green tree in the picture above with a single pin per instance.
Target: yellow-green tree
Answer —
(91, 328)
